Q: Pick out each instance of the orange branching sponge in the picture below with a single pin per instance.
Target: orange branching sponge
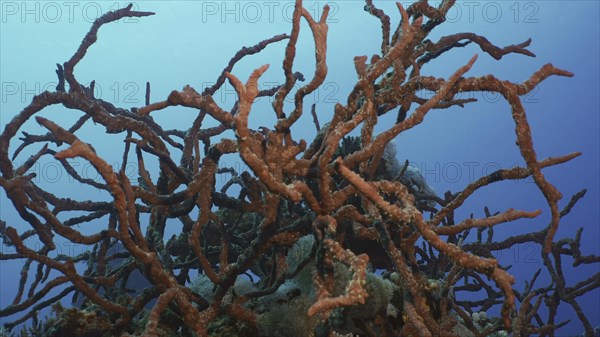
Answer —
(325, 237)
(355, 290)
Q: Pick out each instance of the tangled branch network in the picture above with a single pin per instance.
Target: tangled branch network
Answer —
(331, 237)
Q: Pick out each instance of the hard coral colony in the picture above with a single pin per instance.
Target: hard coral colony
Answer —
(327, 238)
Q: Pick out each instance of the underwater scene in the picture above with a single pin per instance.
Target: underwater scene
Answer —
(300, 168)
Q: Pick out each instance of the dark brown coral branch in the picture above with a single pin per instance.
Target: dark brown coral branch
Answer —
(91, 37)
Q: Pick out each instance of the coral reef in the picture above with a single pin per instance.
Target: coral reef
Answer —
(322, 238)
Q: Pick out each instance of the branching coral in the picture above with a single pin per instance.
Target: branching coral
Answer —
(353, 203)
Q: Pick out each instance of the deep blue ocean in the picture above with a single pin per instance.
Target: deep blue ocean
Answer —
(190, 42)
